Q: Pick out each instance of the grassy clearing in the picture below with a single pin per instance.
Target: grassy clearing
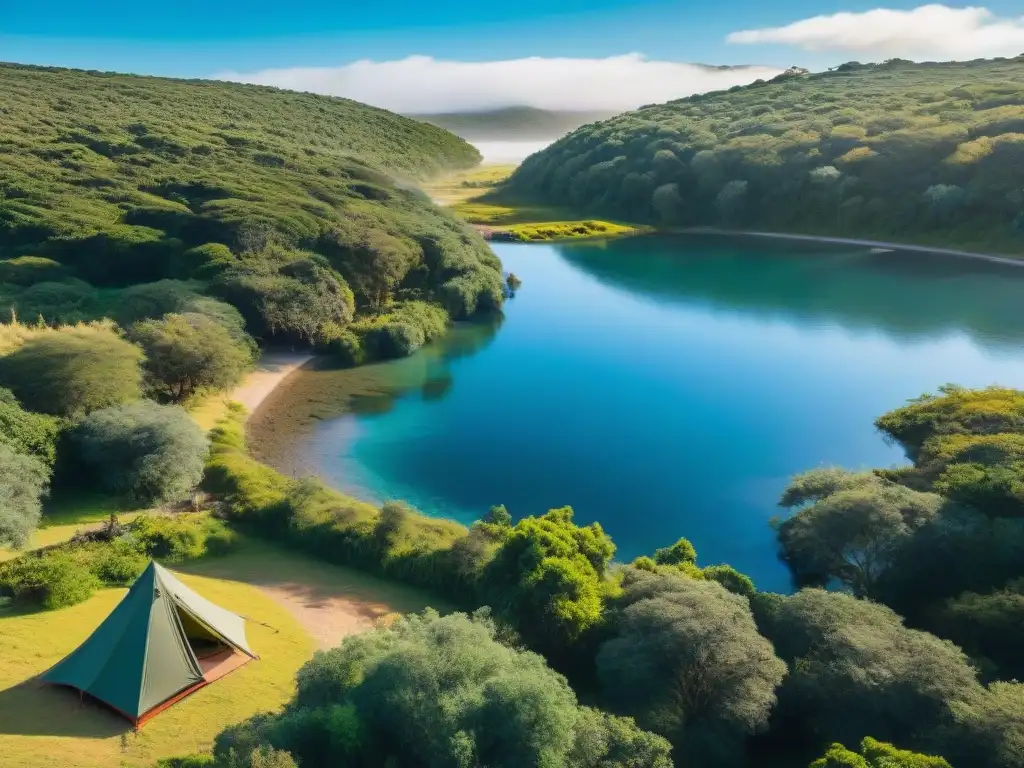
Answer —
(300, 603)
(41, 726)
(470, 195)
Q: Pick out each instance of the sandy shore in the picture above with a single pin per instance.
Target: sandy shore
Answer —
(853, 241)
(271, 370)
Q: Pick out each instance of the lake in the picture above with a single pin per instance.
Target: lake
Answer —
(664, 386)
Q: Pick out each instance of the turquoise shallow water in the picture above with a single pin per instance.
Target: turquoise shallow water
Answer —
(669, 386)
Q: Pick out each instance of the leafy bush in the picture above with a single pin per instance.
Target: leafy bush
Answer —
(73, 371)
(187, 353)
(547, 579)
(118, 563)
(28, 270)
(178, 538)
(29, 433)
(477, 702)
(149, 453)
(53, 580)
(876, 754)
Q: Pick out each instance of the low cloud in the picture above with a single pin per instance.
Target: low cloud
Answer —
(422, 84)
(927, 32)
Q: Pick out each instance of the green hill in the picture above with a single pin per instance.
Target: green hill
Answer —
(930, 153)
(513, 123)
(117, 180)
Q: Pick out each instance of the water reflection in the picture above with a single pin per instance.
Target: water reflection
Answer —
(905, 295)
(324, 392)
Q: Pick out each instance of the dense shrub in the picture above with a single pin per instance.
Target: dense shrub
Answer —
(146, 452)
(29, 433)
(547, 579)
(28, 270)
(856, 670)
(53, 580)
(23, 483)
(187, 353)
(876, 754)
(476, 702)
(73, 371)
(47, 581)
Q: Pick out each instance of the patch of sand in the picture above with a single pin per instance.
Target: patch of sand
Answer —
(328, 618)
(272, 369)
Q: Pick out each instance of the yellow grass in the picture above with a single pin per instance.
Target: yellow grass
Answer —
(470, 196)
(456, 187)
(14, 333)
(209, 408)
(42, 727)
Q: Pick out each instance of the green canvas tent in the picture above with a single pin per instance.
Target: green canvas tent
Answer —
(161, 643)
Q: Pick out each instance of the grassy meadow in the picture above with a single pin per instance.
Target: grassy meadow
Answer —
(470, 195)
(280, 592)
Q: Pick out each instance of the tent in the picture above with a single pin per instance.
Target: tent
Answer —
(161, 643)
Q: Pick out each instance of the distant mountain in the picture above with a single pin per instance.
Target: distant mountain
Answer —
(513, 123)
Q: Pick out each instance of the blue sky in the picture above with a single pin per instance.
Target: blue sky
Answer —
(202, 37)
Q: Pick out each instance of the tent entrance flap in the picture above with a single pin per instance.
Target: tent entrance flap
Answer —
(201, 639)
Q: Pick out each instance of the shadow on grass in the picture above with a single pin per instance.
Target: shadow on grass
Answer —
(34, 709)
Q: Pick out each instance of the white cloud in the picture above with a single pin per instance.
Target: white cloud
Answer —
(422, 84)
(933, 31)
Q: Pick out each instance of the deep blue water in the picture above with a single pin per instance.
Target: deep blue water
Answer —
(668, 387)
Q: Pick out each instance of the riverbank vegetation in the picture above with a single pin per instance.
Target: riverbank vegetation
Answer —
(900, 152)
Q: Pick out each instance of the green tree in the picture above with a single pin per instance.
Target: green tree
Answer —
(876, 754)
(23, 483)
(850, 526)
(686, 659)
(547, 578)
(186, 353)
(149, 453)
(989, 728)
(73, 372)
(680, 552)
(988, 626)
(855, 669)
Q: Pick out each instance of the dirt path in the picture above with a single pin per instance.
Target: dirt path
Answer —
(329, 601)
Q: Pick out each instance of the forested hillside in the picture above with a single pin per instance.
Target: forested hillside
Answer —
(279, 203)
(930, 153)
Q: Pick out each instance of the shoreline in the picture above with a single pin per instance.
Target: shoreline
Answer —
(271, 370)
(990, 257)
